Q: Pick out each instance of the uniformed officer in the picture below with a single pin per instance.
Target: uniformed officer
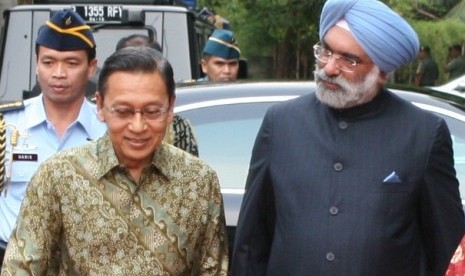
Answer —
(59, 118)
(221, 54)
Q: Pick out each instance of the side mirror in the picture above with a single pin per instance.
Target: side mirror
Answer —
(460, 87)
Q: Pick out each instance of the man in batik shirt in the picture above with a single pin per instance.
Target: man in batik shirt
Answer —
(180, 133)
(128, 203)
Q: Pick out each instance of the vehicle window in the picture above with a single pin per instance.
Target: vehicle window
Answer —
(459, 158)
(226, 135)
(106, 40)
(458, 139)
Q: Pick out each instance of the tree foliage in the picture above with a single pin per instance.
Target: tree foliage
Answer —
(439, 36)
(279, 34)
(422, 9)
(282, 29)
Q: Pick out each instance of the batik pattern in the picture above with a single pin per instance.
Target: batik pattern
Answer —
(84, 215)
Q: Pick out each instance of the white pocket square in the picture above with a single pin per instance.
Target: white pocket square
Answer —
(392, 178)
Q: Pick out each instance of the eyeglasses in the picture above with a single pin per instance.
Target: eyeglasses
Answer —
(343, 63)
(155, 114)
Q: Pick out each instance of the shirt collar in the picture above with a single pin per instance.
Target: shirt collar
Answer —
(87, 116)
(162, 159)
(105, 150)
(35, 112)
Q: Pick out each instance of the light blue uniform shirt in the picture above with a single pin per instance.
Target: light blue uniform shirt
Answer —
(37, 142)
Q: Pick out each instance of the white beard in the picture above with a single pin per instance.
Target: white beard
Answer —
(350, 94)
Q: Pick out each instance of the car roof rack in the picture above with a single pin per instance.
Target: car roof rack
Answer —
(97, 2)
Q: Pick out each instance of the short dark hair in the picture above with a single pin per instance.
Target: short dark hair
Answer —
(91, 52)
(137, 59)
(144, 41)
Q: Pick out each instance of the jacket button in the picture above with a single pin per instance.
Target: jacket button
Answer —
(338, 167)
(343, 125)
(333, 210)
(330, 256)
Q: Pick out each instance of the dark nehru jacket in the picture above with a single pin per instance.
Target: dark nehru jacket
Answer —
(360, 192)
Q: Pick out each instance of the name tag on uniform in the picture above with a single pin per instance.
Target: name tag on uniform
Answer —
(25, 157)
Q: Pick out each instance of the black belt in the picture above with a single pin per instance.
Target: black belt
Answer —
(2, 251)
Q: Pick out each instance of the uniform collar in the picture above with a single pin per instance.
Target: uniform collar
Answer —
(87, 116)
(35, 112)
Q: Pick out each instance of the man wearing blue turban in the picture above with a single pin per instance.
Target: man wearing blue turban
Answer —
(351, 180)
(386, 38)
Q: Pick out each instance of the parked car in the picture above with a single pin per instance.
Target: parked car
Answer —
(455, 86)
(226, 119)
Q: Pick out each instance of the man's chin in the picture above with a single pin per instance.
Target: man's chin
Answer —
(332, 98)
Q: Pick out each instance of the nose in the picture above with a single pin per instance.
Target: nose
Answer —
(60, 71)
(331, 68)
(137, 123)
(227, 68)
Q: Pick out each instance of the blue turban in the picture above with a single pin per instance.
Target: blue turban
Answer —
(222, 44)
(66, 31)
(385, 36)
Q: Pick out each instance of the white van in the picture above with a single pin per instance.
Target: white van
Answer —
(180, 31)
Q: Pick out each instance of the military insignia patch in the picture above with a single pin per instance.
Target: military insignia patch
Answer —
(68, 21)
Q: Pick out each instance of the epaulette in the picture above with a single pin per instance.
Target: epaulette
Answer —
(3, 182)
(5, 107)
(9, 106)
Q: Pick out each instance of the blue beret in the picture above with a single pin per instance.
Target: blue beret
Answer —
(66, 31)
(222, 44)
(385, 36)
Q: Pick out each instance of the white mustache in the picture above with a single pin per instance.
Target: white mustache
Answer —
(320, 75)
(350, 92)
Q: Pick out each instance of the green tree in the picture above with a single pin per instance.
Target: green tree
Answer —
(439, 36)
(284, 31)
(422, 9)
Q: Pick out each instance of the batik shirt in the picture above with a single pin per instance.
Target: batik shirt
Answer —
(85, 215)
(180, 134)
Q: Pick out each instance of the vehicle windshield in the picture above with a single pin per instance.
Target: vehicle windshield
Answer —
(107, 37)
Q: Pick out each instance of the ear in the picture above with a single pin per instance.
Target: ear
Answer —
(203, 63)
(382, 78)
(171, 109)
(99, 103)
(92, 68)
(37, 65)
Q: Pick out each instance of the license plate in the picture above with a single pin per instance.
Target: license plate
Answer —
(100, 13)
